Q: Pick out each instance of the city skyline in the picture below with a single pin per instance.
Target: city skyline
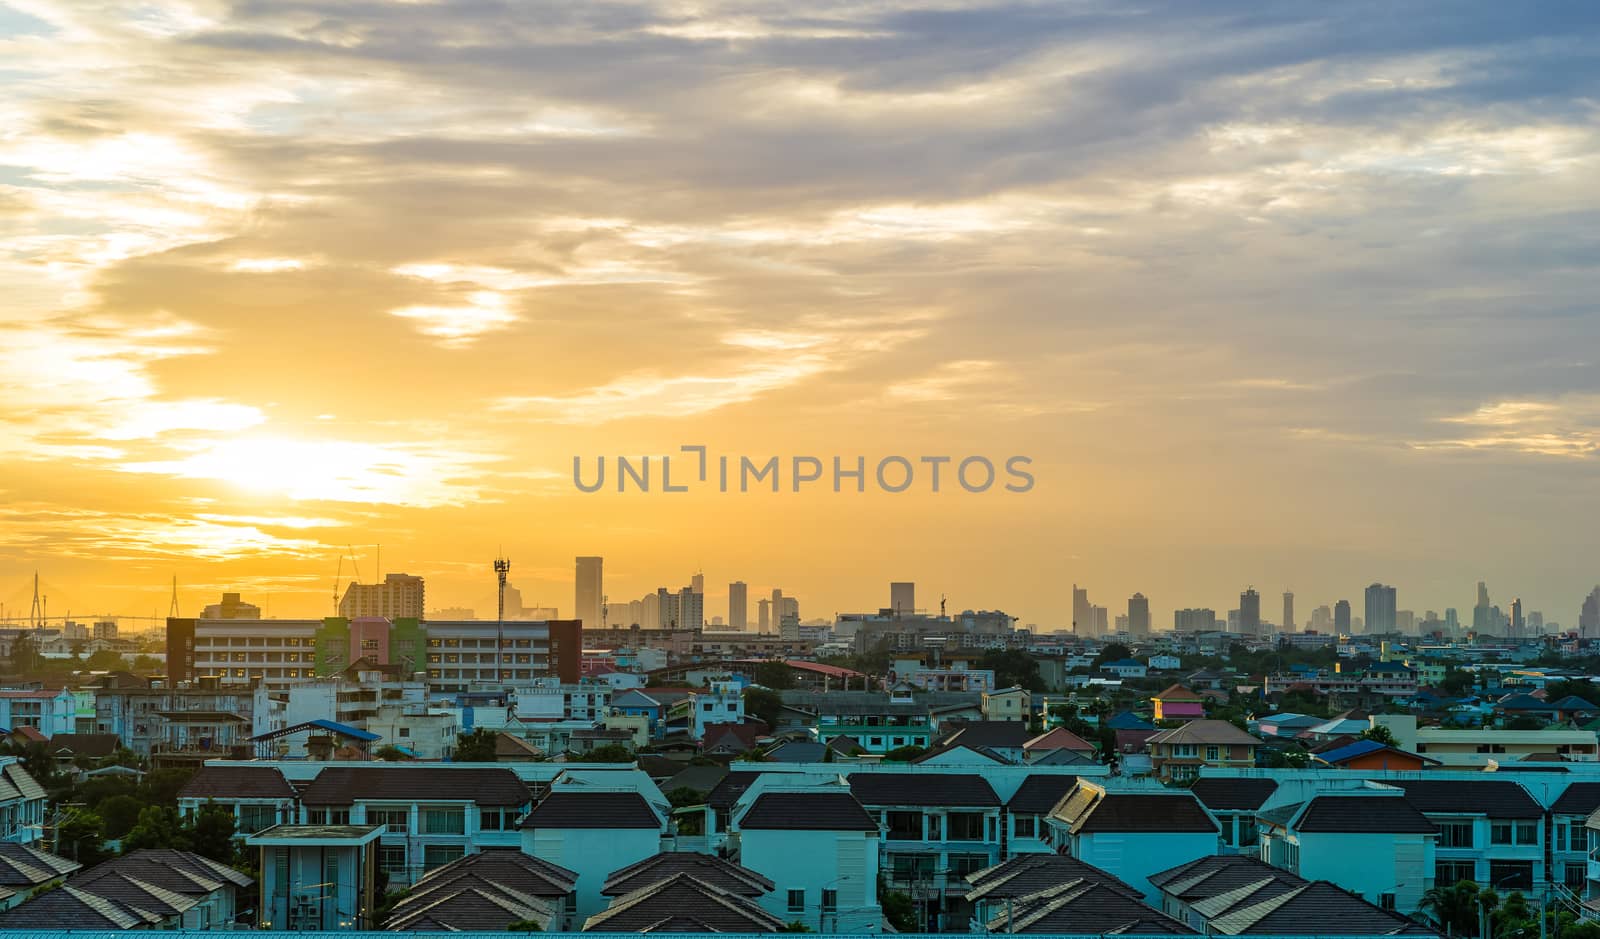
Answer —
(1291, 297)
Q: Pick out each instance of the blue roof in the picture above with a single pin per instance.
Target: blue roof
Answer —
(1351, 751)
(1124, 663)
(1127, 720)
(332, 727)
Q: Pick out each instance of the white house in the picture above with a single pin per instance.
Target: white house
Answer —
(1132, 832)
(592, 832)
(819, 847)
(721, 704)
(1164, 662)
(1372, 842)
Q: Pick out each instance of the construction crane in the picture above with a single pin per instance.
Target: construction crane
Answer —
(338, 573)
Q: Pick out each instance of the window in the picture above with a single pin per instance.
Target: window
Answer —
(1500, 832)
(1184, 750)
(1455, 833)
(1527, 832)
(496, 820)
(253, 818)
(392, 858)
(438, 855)
(912, 868)
(405, 731)
(830, 900)
(1226, 821)
(797, 901)
(393, 820)
(444, 822)
(1024, 826)
(963, 864)
(1579, 837)
(1249, 832)
(965, 826)
(1386, 901)
(1211, 753)
(1450, 873)
(1511, 875)
(934, 825)
(903, 826)
(1574, 875)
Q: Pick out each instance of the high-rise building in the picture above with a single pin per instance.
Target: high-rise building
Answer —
(1098, 616)
(1452, 622)
(1138, 615)
(763, 615)
(777, 608)
(667, 601)
(1380, 609)
(1082, 614)
(1483, 618)
(697, 583)
(231, 607)
(1589, 617)
(1517, 622)
(1322, 618)
(1405, 621)
(738, 606)
(1341, 617)
(1536, 623)
(903, 597)
(589, 588)
(1194, 620)
(650, 612)
(400, 596)
(1288, 612)
(1250, 612)
(691, 608)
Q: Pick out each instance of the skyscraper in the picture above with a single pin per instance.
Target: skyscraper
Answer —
(1250, 612)
(589, 587)
(1341, 617)
(1288, 612)
(1451, 621)
(1380, 608)
(400, 596)
(1082, 615)
(691, 608)
(1483, 618)
(1517, 622)
(1138, 615)
(777, 609)
(738, 606)
(697, 583)
(1589, 617)
(763, 615)
(903, 597)
(1194, 619)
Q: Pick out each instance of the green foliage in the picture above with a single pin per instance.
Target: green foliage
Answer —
(523, 925)
(1013, 667)
(120, 813)
(161, 787)
(211, 833)
(158, 827)
(1453, 908)
(476, 746)
(390, 753)
(795, 926)
(764, 705)
(1380, 734)
(904, 754)
(1458, 683)
(610, 753)
(899, 911)
(80, 835)
(1112, 652)
(106, 661)
(775, 675)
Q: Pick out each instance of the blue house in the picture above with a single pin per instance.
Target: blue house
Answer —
(635, 703)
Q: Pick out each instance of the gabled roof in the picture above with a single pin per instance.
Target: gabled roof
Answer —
(1308, 909)
(1127, 720)
(1058, 738)
(683, 904)
(485, 785)
(1089, 809)
(1085, 907)
(1232, 793)
(1063, 758)
(578, 808)
(1178, 693)
(1360, 748)
(1206, 731)
(706, 868)
(1027, 874)
(130, 892)
(1579, 798)
(725, 794)
(927, 789)
(237, 782)
(487, 890)
(23, 867)
(1040, 793)
(85, 745)
(1492, 797)
(1363, 814)
(963, 753)
(998, 734)
(634, 698)
(807, 811)
(1573, 703)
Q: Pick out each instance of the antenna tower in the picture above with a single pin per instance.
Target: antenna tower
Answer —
(502, 567)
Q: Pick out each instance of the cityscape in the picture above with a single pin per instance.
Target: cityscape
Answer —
(1069, 468)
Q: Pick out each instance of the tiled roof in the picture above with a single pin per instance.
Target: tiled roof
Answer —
(22, 866)
(1580, 798)
(83, 910)
(1085, 907)
(1178, 693)
(1040, 792)
(1091, 809)
(683, 904)
(1363, 814)
(1205, 732)
(469, 906)
(132, 891)
(237, 782)
(1001, 734)
(933, 789)
(576, 808)
(26, 786)
(88, 745)
(728, 790)
(1027, 874)
(343, 785)
(1233, 792)
(503, 867)
(807, 811)
(1217, 874)
(706, 868)
(1492, 797)
(1058, 738)
(966, 753)
(1308, 909)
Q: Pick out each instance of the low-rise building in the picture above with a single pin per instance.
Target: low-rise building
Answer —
(1132, 833)
(1177, 754)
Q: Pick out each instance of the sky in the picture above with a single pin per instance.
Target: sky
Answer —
(1299, 296)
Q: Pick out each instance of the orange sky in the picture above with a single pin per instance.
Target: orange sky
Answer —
(1267, 301)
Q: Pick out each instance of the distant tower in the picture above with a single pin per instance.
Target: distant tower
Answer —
(1250, 612)
(588, 588)
(903, 597)
(1341, 617)
(738, 606)
(36, 612)
(502, 567)
(697, 583)
(1288, 611)
(1138, 615)
(172, 610)
(1517, 623)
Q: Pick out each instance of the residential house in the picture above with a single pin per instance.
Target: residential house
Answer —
(1317, 839)
(146, 889)
(1005, 738)
(936, 826)
(684, 903)
(1490, 830)
(1235, 895)
(24, 870)
(22, 803)
(1055, 739)
(592, 832)
(1177, 703)
(1125, 668)
(259, 796)
(1008, 704)
(50, 711)
(1028, 810)
(1164, 662)
(1569, 835)
(1024, 876)
(489, 891)
(1132, 832)
(1234, 801)
(637, 702)
(1176, 755)
(1372, 755)
(877, 722)
(773, 825)
(1286, 724)
(1084, 907)
(722, 703)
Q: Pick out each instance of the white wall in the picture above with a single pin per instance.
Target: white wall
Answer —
(1133, 857)
(812, 861)
(593, 854)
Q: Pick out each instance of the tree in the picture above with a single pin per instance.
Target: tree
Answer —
(1013, 667)
(120, 813)
(904, 754)
(682, 797)
(610, 753)
(158, 827)
(775, 675)
(1112, 652)
(1380, 734)
(105, 661)
(25, 658)
(900, 911)
(211, 833)
(80, 835)
(476, 746)
(1453, 908)
(766, 706)
(161, 786)
(1458, 683)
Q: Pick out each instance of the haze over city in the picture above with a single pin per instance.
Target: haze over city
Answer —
(1298, 298)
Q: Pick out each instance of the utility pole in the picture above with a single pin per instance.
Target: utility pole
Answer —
(502, 567)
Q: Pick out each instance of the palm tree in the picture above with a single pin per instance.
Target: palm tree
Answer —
(1453, 909)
